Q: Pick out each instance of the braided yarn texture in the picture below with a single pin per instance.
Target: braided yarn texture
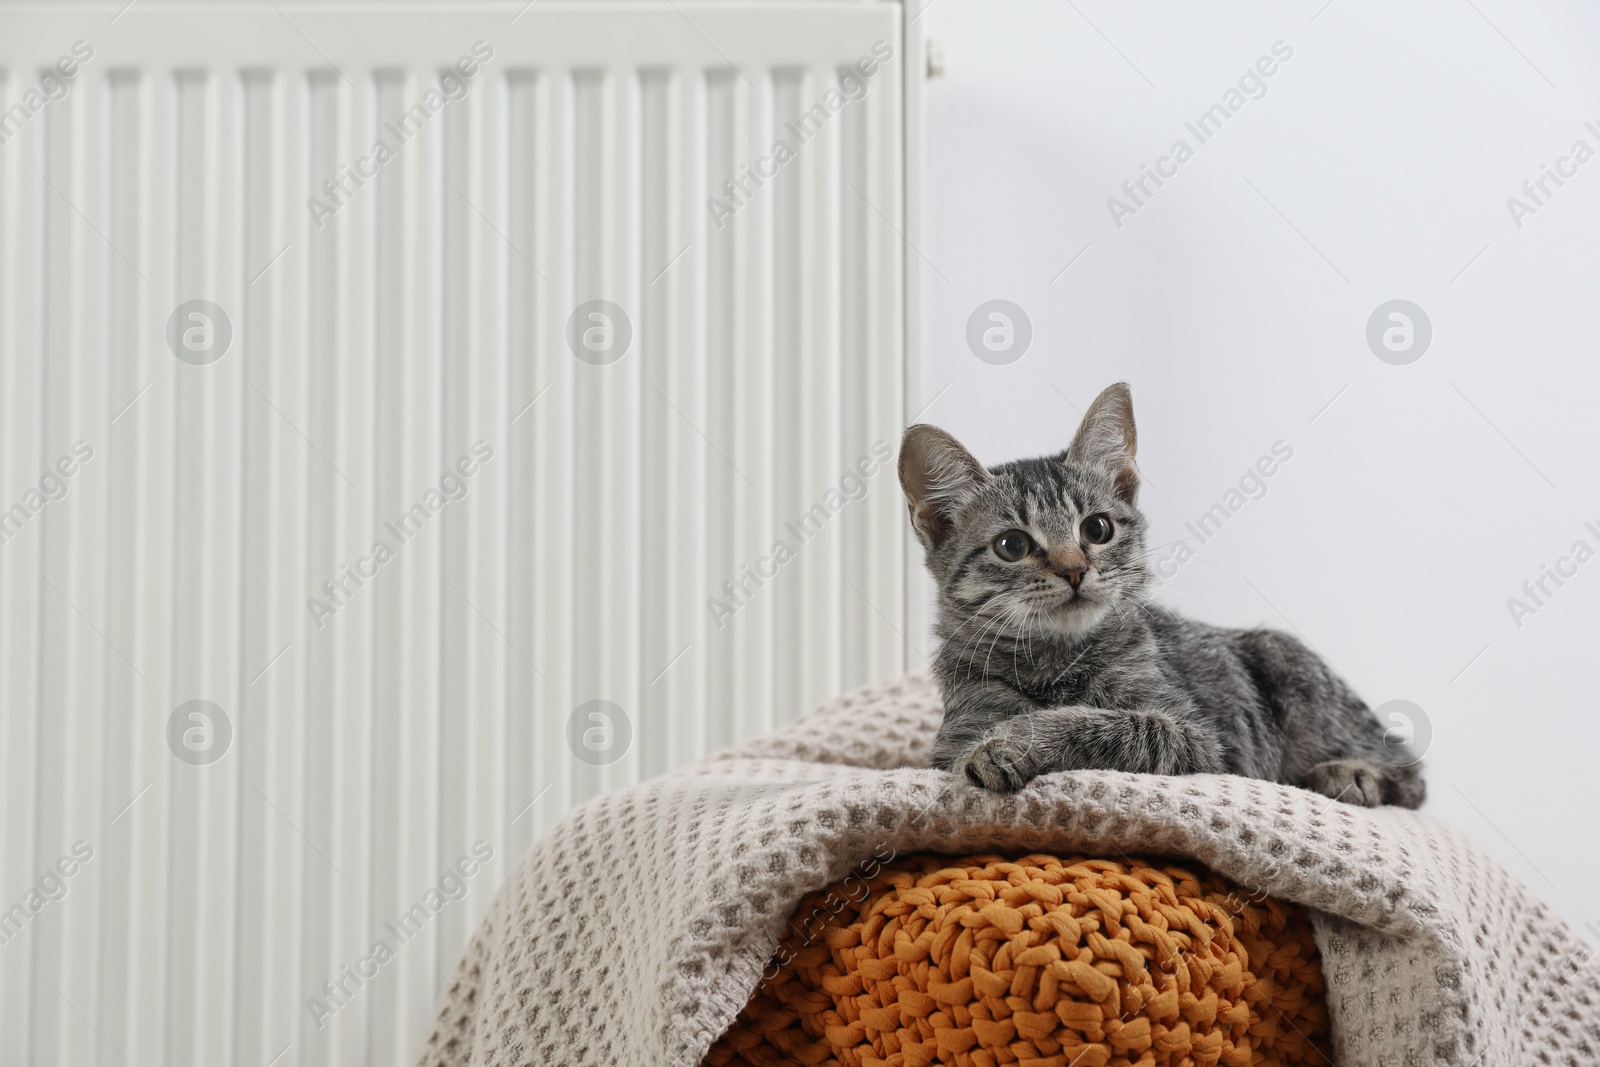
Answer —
(981, 961)
(636, 931)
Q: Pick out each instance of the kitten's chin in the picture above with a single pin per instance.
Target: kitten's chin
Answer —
(1074, 619)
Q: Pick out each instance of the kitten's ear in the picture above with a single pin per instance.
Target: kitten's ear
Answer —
(1107, 439)
(937, 474)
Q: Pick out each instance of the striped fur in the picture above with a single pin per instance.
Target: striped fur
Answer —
(1040, 675)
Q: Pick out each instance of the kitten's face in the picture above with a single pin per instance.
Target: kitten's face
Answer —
(1043, 544)
(1050, 545)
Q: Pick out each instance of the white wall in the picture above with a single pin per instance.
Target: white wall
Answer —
(1422, 498)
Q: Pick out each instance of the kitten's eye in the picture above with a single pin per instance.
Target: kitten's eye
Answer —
(1096, 529)
(1012, 545)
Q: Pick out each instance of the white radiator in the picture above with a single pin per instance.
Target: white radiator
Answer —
(338, 443)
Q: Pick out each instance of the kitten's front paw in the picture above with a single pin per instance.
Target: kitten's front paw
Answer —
(1350, 780)
(999, 764)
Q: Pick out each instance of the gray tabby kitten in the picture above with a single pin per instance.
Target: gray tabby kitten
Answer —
(1052, 658)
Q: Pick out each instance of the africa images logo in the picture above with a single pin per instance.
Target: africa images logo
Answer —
(854, 81)
(54, 85)
(1251, 85)
(350, 178)
(452, 885)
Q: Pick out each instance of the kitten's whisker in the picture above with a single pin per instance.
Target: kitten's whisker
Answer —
(972, 644)
(977, 616)
(1026, 633)
(1151, 550)
(1011, 610)
(948, 640)
(1120, 610)
(1016, 645)
(1214, 581)
(1016, 608)
(1180, 593)
(1033, 612)
(1207, 565)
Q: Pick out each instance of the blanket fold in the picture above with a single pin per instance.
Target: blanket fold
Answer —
(635, 932)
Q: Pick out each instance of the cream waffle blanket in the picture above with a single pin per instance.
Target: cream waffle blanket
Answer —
(634, 933)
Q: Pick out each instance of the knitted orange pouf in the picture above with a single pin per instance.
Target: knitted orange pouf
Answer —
(1040, 961)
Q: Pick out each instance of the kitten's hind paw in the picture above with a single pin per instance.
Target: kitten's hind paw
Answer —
(998, 764)
(1352, 781)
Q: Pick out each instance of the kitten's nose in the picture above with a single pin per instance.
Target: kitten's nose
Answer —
(1073, 573)
(1069, 561)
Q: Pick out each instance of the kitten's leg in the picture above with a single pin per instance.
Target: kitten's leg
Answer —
(1404, 786)
(1332, 743)
(1367, 784)
(972, 709)
(1353, 781)
(1141, 741)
